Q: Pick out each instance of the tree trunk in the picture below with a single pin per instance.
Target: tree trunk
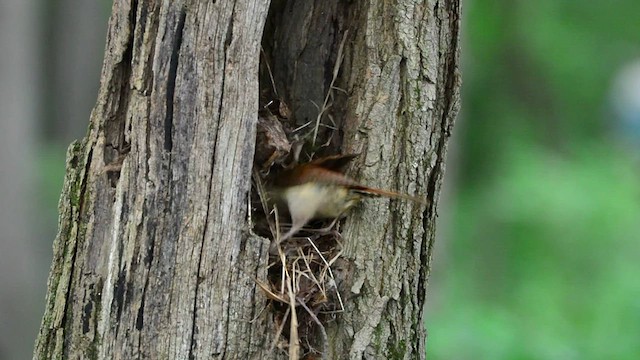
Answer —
(155, 257)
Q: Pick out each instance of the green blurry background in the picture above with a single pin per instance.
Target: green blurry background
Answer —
(538, 252)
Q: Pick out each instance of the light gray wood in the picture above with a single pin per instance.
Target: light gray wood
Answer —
(154, 257)
(405, 98)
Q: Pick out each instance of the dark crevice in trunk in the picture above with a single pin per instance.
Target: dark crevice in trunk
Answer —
(171, 82)
(79, 185)
(300, 44)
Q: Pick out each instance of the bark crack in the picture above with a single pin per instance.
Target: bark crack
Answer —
(171, 82)
(206, 223)
(76, 219)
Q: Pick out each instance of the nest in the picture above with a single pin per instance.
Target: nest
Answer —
(304, 277)
(305, 271)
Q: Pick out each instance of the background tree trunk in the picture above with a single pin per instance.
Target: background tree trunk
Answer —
(21, 288)
(73, 41)
(154, 257)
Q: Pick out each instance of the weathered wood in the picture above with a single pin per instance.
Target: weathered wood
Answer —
(154, 256)
(405, 98)
(154, 259)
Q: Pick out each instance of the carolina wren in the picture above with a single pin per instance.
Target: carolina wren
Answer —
(318, 190)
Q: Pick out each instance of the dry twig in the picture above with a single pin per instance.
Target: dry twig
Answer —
(336, 70)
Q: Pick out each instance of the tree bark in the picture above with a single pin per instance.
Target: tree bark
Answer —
(155, 257)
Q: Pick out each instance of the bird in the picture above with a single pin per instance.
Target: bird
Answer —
(320, 190)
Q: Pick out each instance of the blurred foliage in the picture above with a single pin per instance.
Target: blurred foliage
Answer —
(540, 70)
(539, 258)
(51, 164)
(543, 263)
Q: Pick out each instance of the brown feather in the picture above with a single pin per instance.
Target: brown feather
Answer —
(334, 162)
(323, 171)
(318, 190)
(386, 193)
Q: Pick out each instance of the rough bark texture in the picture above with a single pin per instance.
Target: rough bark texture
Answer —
(154, 257)
(405, 95)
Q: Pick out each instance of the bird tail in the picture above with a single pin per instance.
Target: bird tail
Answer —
(367, 191)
